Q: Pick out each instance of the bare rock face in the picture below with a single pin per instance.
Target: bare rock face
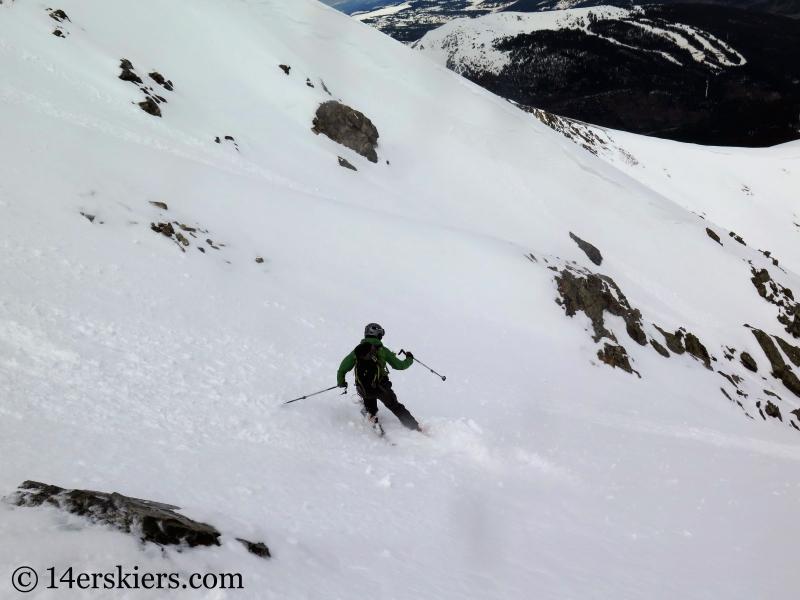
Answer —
(590, 251)
(127, 72)
(697, 349)
(343, 162)
(773, 411)
(59, 15)
(160, 80)
(347, 127)
(674, 340)
(259, 549)
(616, 356)
(595, 294)
(712, 234)
(793, 352)
(780, 370)
(659, 348)
(151, 521)
(780, 296)
(748, 362)
(150, 106)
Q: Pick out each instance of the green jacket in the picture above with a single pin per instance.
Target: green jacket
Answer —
(384, 356)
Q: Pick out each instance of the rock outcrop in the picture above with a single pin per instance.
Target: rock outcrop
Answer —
(591, 251)
(348, 127)
(616, 356)
(674, 340)
(595, 294)
(748, 362)
(782, 297)
(698, 350)
(780, 370)
(343, 162)
(151, 521)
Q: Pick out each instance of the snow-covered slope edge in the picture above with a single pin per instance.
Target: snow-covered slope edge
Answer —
(127, 364)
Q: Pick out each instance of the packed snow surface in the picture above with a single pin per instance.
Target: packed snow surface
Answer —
(132, 363)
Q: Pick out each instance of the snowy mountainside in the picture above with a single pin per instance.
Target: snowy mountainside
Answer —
(694, 73)
(131, 361)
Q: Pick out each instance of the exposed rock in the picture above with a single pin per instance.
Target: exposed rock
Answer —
(748, 362)
(696, 349)
(203, 250)
(259, 549)
(674, 340)
(88, 216)
(616, 356)
(782, 297)
(780, 370)
(713, 236)
(308, 83)
(592, 252)
(187, 228)
(161, 205)
(59, 15)
(737, 238)
(159, 79)
(796, 413)
(726, 394)
(773, 394)
(151, 521)
(343, 162)
(182, 239)
(163, 228)
(259, 260)
(793, 352)
(286, 68)
(150, 107)
(659, 348)
(595, 294)
(127, 72)
(347, 127)
(58, 33)
(773, 411)
(216, 139)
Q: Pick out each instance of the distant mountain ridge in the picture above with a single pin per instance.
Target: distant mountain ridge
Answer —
(409, 20)
(690, 72)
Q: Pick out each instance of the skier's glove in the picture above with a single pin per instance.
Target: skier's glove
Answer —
(409, 355)
(344, 385)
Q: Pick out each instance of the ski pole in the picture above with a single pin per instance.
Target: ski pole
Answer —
(314, 394)
(424, 365)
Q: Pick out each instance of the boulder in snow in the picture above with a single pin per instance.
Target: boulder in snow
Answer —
(592, 252)
(151, 521)
(347, 127)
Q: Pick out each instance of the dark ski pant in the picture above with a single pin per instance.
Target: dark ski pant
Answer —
(385, 394)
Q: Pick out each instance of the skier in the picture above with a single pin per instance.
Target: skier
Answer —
(372, 377)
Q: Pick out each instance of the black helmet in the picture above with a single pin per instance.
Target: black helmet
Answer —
(373, 330)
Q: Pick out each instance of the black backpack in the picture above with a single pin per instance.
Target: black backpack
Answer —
(368, 370)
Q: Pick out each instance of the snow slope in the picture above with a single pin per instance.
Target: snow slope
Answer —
(129, 365)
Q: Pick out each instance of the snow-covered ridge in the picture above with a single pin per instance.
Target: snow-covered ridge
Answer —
(381, 12)
(466, 45)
